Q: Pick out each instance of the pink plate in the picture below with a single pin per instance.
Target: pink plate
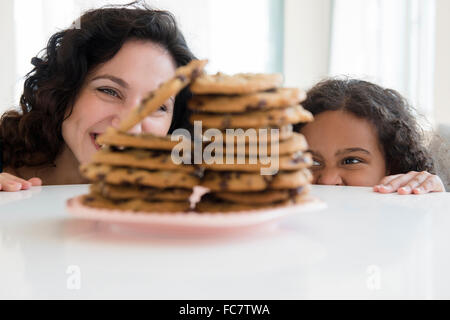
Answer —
(191, 222)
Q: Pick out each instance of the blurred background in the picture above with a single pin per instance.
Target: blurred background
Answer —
(402, 44)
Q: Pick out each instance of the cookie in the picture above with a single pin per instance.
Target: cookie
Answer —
(256, 119)
(261, 197)
(114, 137)
(139, 158)
(289, 162)
(211, 204)
(259, 135)
(243, 83)
(140, 177)
(137, 205)
(246, 182)
(289, 146)
(282, 97)
(117, 192)
(183, 77)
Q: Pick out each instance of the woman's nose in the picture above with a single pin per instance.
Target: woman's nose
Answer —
(331, 177)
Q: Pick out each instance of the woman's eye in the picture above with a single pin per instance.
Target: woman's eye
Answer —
(110, 92)
(316, 163)
(351, 161)
(163, 108)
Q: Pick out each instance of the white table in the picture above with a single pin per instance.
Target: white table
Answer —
(364, 245)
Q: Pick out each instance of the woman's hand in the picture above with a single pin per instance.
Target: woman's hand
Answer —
(410, 183)
(8, 182)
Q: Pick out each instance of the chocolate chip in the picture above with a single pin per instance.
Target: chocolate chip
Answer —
(101, 176)
(195, 73)
(260, 105)
(198, 172)
(89, 199)
(226, 123)
(117, 149)
(295, 192)
(267, 179)
(182, 78)
(223, 185)
(125, 183)
(138, 180)
(298, 158)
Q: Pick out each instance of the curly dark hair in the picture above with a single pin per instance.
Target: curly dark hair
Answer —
(398, 131)
(32, 136)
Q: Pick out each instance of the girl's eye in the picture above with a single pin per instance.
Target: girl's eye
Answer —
(351, 161)
(110, 92)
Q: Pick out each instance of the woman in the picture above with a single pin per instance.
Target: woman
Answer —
(89, 78)
(366, 135)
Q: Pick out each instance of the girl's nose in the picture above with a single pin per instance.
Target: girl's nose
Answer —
(330, 177)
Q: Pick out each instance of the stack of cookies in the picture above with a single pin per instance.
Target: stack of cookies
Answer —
(241, 179)
(137, 172)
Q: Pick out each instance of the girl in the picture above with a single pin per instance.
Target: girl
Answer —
(365, 135)
(88, 79)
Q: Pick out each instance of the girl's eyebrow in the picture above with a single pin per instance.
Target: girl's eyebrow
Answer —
(314, 153)
(117, 80)
(350, 150)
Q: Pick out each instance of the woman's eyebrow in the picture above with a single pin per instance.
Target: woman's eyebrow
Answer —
(350, 150)
(117, 80)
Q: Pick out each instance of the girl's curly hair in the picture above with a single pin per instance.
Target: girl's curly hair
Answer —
(32, 136)
(398, 131)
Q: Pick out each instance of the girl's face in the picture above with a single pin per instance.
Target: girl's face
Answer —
(112, 89)
(345, 149)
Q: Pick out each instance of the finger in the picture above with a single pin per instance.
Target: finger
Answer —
(384, 181)
(397, 182)
(35, 182)
(431, 184)
(388, 179)
(23, 182)
(12, 183)
(8, 184)
(414, 183)
(11, 186)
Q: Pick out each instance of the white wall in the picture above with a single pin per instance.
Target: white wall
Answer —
(307, 41)
(7, 57)
(442, 63)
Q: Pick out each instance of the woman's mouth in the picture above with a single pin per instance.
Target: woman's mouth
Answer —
(93, 137)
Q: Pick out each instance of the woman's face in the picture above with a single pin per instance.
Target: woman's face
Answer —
(114, 88)
(345, 150)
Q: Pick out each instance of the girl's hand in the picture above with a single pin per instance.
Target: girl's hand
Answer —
(410, 183)
(8, 182)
